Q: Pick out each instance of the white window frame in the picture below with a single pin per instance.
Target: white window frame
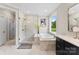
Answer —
(54, 14)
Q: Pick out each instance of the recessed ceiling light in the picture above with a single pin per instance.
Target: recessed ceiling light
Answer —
(28, 12)
(45, 10)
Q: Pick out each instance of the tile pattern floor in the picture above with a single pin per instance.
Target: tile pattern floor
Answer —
(44, 48)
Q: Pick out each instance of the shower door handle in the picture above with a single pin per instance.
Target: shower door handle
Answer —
(3, 31)
(22, 29)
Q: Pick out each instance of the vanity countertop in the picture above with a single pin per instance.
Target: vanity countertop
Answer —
(69, 39)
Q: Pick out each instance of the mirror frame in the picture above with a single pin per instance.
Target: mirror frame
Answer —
(68, 17)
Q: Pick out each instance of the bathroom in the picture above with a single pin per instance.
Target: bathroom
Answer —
(39, 32)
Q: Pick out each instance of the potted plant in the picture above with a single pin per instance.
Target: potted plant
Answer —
(37, 27)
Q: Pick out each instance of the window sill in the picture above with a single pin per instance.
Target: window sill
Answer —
(53, 33)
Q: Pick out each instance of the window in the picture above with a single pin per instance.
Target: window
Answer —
(53, 24)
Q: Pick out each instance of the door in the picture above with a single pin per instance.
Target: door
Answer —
(11, 28)
(3, 30)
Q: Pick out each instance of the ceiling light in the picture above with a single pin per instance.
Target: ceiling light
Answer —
(28, 12)
(45, 10)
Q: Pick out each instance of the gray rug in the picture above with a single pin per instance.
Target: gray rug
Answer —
(25, 46)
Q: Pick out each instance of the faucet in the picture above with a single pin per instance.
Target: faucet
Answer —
(76, 31)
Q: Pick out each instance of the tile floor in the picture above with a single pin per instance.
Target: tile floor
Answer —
(44, 48)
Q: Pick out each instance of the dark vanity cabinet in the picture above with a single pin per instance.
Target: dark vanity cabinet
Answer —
(65, 48)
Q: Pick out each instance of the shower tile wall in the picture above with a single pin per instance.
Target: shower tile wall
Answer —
(9, 15)
(26, 27)
(3, 30)
(12, 27)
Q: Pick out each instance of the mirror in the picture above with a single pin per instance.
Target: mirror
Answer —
(73, 17)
